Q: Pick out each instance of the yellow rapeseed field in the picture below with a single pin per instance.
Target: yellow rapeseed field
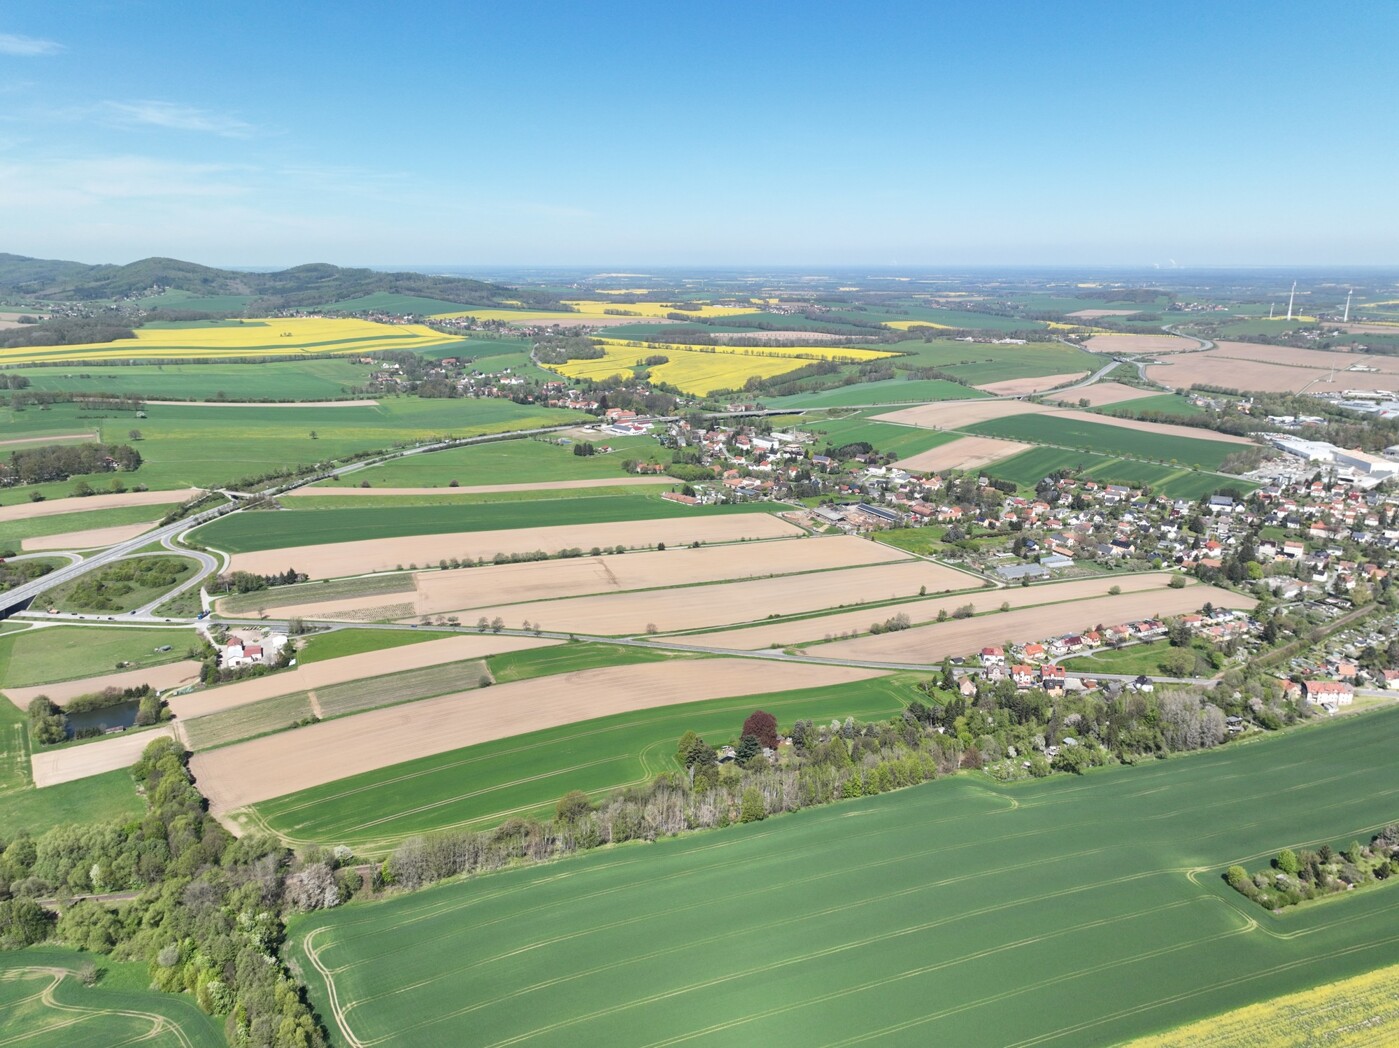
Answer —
(623, 311)
(272, 337)
(703, 369)
(1346, 1014)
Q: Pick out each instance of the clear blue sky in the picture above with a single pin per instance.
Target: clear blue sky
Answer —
(906, 133)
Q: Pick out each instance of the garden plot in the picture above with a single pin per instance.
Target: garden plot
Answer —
(261, 769)
(336, 559)
(696, 607)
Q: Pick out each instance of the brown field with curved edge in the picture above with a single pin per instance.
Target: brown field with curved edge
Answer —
(51, 767)
(1014, 387)
(1210, 369)
(1140, 344)
(930, 644)
(335, 559)
(486, 489)
(350, 667)
(954, 414)
(56, 507)
(1094, 314)
(439, 592)
(688, 608)
(90, 539)
(269, 767)
(1193, 432)
(268, 404)
(963, 453)
(1101, 393)
(804, 631)
(171, 675)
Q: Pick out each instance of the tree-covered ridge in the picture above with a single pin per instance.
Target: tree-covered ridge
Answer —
(307, 286)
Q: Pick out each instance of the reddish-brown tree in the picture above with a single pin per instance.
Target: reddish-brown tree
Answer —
(763, 727)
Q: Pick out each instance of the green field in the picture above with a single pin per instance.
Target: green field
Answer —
(986, 362)
(1134, 658)
(110, 796)
(1029, 467)
(244, 532)
(1166, 403)
(392, 302)
(525, 775)
(248, 722)
(176, 298)
(1065, 911)
(886, 391)
(56, 653)
(571, 658)
(886, 437)
(324, 378)
(336, 589)
(357, 641)
(45, 1005)
(1137, 443)
(505, 462)
(185, 445)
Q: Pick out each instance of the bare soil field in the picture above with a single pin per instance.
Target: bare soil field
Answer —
(696, 607)
(78, 762)
(954, 414)
(1193, 432)
(486, 489)
(1140, 344)
(1094, 314)
(439, 592)
(269, 404)
(802, 337)
(1101, 393)
(930, 644)
(805, 631)
(964, 453)
(1311, 358)
(89, 539)
(269, 767)
(172, 675)
(333, 560)
(351, 667)
(1211, 369)
(1376, 328)
(55, 507)
(48, 440)
(1014, 387)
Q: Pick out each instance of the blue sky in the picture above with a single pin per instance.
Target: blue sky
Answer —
(808, 134)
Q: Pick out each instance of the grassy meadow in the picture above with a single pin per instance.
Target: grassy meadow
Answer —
(46, 1005)
(324, 378)
(58, 653)
(526, 774)
(339, 643)
(885, 437)
(246, 532)
(1065, 911)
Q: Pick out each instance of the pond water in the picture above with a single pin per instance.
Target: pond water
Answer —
(122, 715)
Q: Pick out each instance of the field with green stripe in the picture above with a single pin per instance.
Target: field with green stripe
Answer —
(1067, 911)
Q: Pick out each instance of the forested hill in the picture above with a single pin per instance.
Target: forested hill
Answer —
(306, 286)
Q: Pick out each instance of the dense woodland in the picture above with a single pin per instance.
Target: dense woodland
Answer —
(61, 461)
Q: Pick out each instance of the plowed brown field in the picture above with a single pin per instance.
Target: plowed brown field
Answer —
(965, 453)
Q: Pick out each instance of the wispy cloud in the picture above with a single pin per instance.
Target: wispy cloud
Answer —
(27, 46)
(176, 117)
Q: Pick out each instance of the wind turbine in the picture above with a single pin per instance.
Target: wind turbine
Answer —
(1346, 318)
(1290, 298)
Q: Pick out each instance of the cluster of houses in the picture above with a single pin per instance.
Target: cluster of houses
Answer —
(238, 652)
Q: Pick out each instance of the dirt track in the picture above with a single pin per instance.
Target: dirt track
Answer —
(954, 414)
(1101, 393)
(700, 606)
(55, 507)
(967, 636)
(297, 760)
(964, 453)
(171, 675)
(351, 667)
(1014, 387)
(90, 539)
(356, 558)
(78, 762)
(484, 489)
(1085, 591)
(439, 592)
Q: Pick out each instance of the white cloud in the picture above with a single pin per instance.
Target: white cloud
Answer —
(176, 117)
(27, 46)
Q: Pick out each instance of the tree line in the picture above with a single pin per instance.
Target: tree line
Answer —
(61, 461)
